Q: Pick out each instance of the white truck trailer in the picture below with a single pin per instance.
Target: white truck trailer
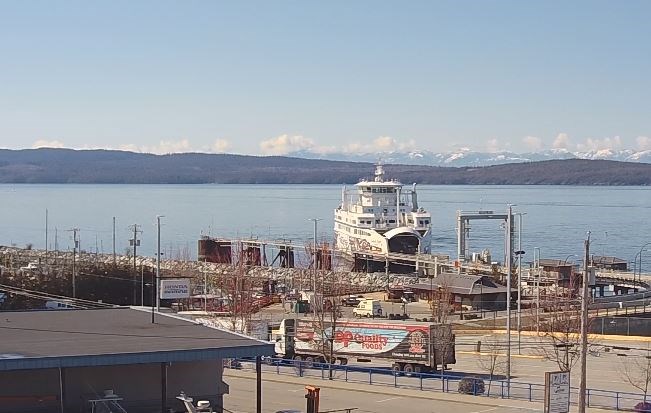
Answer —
(415, 347)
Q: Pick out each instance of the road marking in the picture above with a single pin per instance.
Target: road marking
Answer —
(294, 390)
(386, 400)
(486, 410)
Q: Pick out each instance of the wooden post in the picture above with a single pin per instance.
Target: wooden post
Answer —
(258, 384)
(163, 386)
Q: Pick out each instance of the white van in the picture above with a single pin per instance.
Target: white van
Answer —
(368, 307)
(59, 305)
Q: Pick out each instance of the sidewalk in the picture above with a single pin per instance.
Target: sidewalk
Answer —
(402, 392)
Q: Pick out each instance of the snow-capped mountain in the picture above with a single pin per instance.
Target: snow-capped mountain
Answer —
(467, 157)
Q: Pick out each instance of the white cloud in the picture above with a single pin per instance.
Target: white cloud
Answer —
(643, 143)
(533, 143)
(284, 144)
(591, 144)
(562, 141)
(220, 146)
(129, 147)
(42, 143)
(388, 144)
(493, 145)
(163, 147)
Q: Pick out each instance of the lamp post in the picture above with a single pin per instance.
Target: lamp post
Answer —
(509, 263)
(157, 284)
(639, 271)
(315, 220)
(519, 253)
(537, 267)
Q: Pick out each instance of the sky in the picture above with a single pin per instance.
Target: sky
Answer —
(275, 77)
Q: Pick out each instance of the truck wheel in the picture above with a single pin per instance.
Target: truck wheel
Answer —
(343, 362)
(408, 369)
(298, 360)
(309, 362)
(396, 368)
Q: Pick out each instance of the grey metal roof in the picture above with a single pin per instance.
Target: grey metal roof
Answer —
(77, 338)
(461, 284)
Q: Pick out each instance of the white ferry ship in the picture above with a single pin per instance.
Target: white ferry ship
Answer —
(378, 218)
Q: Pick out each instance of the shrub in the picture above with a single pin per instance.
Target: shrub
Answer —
(471, 385)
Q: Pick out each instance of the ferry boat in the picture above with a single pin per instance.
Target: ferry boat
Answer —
(379, 218)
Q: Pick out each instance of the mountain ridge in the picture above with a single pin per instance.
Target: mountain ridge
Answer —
(468, 157)
(48, 165)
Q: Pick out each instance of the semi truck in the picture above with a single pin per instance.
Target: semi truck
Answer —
(415, 347)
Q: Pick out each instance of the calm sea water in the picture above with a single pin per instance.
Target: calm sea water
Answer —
(556, 221)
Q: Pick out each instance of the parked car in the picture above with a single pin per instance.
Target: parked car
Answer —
(350, 301)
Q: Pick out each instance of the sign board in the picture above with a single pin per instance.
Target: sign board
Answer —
(557, 392)
(174, 288)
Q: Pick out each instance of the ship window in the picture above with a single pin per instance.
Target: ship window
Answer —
(368, 188)
(369, 222)
(385, 210)
(377, 221)
(427, 221)
(392, 221)
(410, 221)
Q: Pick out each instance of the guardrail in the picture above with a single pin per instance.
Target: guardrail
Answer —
(448, 382)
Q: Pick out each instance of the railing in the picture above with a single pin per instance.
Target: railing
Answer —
(437, 382)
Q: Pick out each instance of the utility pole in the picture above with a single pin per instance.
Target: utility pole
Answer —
(75, 244)
(537, 267)
(509, 254)
(45, 235)
(135, 242)
(315, 220)
(114, 241)
(584, 326)
(520, 253)
(56, 239)
(156, 286)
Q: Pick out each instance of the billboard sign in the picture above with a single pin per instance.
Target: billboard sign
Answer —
(174, 288)
(557, 392)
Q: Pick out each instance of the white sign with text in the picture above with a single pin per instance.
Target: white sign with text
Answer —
(173, 289)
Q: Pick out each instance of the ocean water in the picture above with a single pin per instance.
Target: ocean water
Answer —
(556, 218)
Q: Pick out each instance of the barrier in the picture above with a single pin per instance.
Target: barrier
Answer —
(437, 382)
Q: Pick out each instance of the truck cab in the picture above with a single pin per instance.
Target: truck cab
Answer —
(368, 308)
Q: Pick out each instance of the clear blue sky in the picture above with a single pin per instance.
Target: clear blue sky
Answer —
(216, 75)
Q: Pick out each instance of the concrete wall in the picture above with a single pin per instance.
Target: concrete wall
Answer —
(139, 384)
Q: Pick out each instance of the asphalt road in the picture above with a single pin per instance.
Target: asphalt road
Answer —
(279, 396)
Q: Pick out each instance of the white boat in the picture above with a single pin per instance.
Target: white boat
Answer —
(378, 218)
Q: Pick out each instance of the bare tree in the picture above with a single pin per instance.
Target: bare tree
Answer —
(636, 371)
(559, 335)
(493, 361)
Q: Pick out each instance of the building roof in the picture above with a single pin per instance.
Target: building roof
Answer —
(461, 284)
(545, 262)
(596, 259)
(78, 338)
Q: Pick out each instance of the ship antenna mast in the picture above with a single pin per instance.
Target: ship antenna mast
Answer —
(379, 172)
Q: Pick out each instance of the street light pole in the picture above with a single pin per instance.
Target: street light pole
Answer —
(156, 286)
(639, 271)
(537, 268)
(314, 256)
(584, 327)
(509, 251)
(520, 253)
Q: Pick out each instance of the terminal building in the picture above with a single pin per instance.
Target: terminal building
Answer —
(89, 360)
